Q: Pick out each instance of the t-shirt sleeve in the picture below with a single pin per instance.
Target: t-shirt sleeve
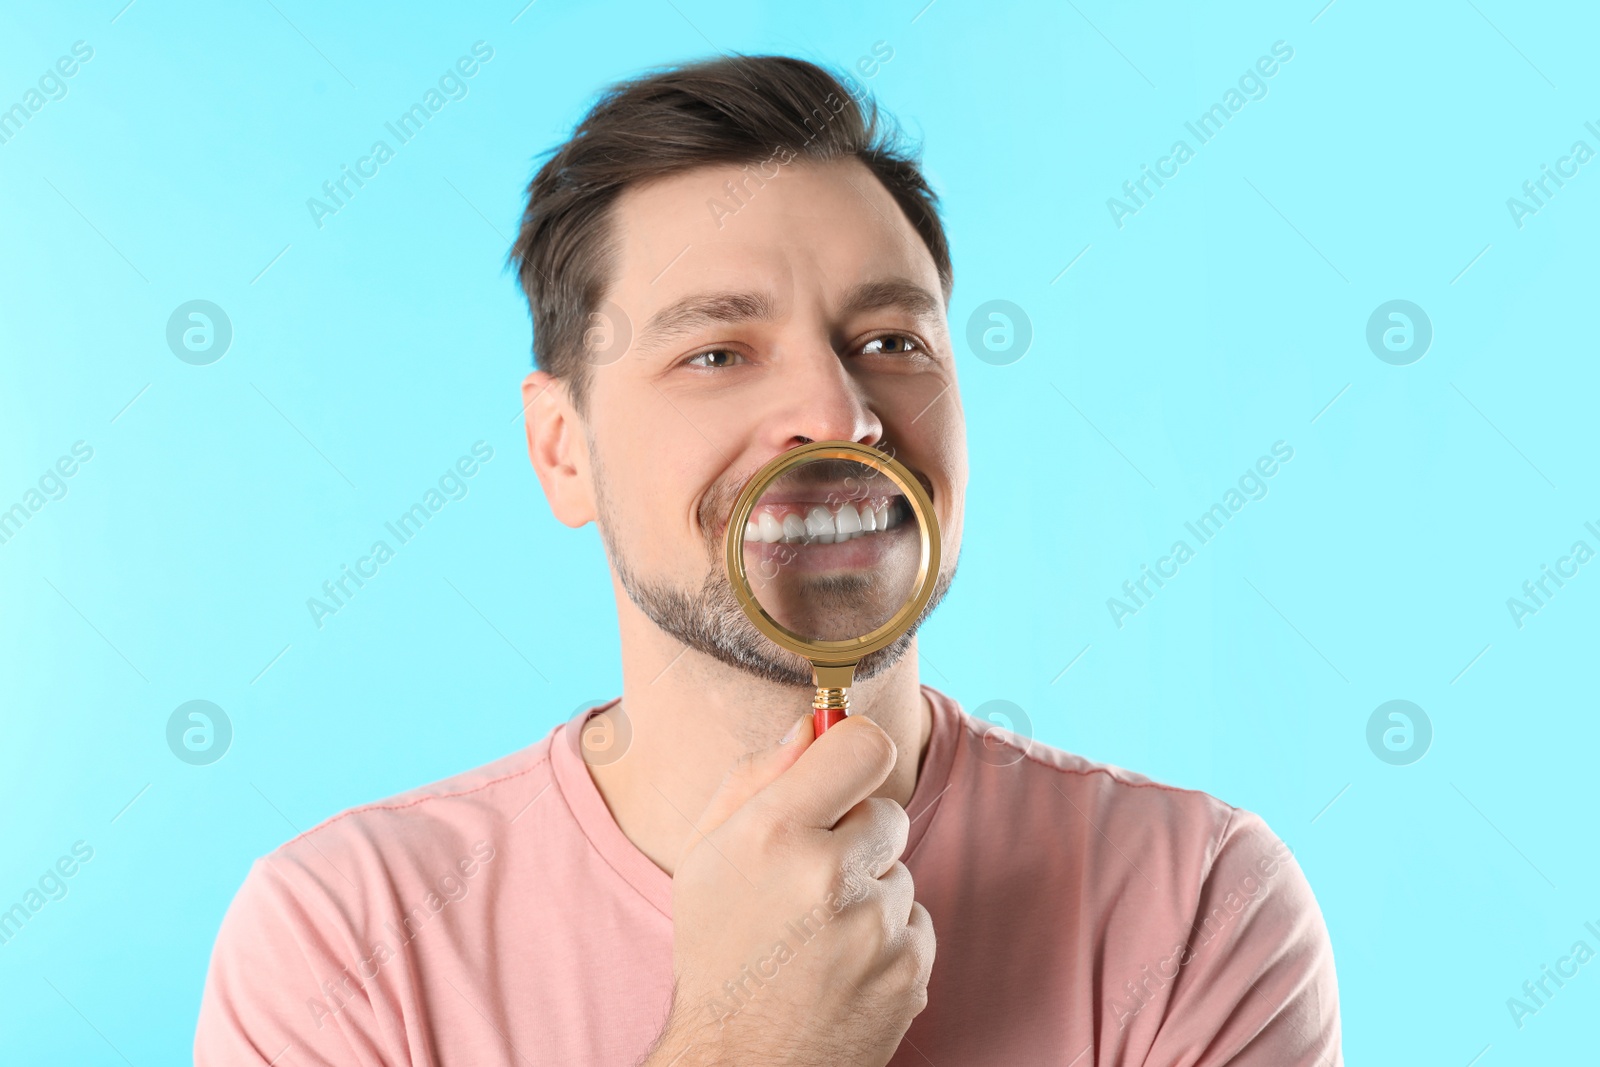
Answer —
(279, 981)
(1254, 983)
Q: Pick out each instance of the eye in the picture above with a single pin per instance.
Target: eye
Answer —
(715, 359)
(892, 344)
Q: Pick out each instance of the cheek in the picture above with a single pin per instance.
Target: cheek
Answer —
(937, 448)
(653, 477)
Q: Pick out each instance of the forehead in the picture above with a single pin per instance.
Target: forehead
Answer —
(820, 228)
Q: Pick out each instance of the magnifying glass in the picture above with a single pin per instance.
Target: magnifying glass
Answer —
(833, 552)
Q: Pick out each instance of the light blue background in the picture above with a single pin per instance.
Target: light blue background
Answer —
(1226, 315)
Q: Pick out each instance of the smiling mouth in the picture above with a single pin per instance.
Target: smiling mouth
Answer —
(817, 522)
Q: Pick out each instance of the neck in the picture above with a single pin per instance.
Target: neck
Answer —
(692, 717)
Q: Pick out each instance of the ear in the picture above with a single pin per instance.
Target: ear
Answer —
(558, 448)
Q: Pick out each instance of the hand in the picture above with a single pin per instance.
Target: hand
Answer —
(795, 936)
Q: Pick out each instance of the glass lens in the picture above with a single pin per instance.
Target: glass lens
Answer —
(832, 549)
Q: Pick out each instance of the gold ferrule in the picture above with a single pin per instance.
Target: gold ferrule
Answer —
(831, 698)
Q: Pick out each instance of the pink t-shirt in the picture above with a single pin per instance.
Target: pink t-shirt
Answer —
(1085, 916)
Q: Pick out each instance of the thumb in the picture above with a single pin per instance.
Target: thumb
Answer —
(753, 773)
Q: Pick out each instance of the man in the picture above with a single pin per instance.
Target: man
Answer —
(728, 260)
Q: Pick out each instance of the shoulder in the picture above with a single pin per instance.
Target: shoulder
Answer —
(1135, 847)
(1203, 926)
(1033, 784)
(318, 920)
(418, 838)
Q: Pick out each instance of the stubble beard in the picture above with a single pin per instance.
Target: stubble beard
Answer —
(709, 619)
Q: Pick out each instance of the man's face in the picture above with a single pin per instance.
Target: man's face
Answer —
(759, 317)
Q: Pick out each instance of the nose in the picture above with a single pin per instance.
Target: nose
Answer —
(820, 401)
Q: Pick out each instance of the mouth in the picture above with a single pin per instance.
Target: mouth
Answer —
(825, 519)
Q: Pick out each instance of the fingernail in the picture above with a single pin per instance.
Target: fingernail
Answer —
(794, 731)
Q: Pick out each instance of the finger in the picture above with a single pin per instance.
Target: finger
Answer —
(753, 773)
(919, 929)
(872, 835)
(899, 895)
(836, 772)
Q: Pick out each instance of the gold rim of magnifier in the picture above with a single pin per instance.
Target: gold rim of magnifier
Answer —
(835, 653)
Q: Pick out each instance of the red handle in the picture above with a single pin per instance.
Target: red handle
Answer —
(822, 718)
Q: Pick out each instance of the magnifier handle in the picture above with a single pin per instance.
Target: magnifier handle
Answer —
(831, 702)
(822, 718)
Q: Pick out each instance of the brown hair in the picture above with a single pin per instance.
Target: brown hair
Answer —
(734, 109)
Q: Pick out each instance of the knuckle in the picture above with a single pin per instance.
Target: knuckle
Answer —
(889, 828)
(900, 876)
(856, 875)
(905, 970)
(910, 968)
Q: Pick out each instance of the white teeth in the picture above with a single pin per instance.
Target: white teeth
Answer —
(819, 524)
(771, 532)
(848, 521)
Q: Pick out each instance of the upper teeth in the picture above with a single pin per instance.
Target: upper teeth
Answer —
(819, 523)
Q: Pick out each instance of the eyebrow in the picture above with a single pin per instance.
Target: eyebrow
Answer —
(893, 293)
(705, 309)
(732, 306)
